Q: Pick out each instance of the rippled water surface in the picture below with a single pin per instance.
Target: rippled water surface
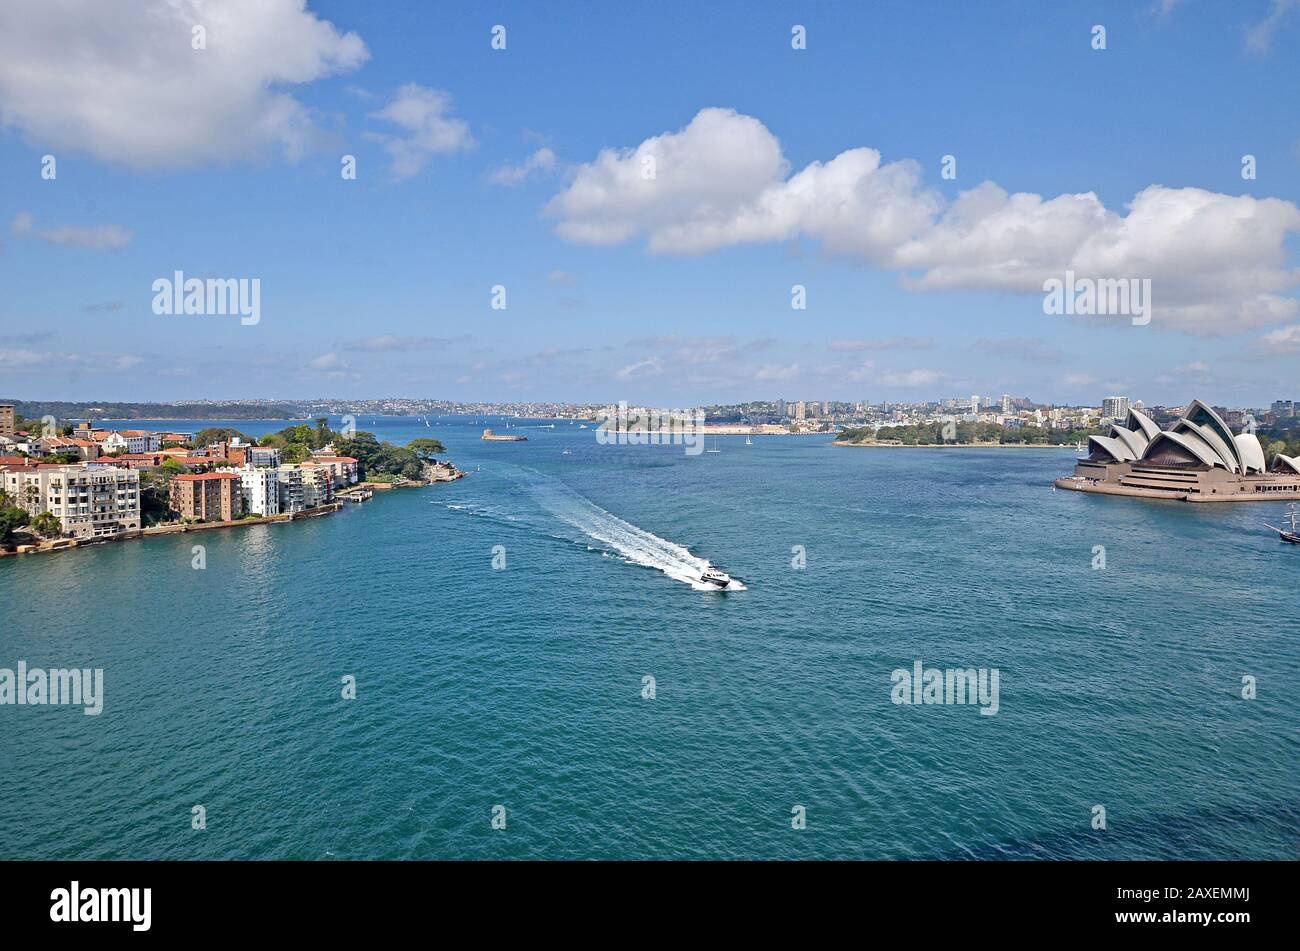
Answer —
(522, 687)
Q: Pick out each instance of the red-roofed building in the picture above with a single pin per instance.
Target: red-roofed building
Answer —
(207, 496)
(344, 469)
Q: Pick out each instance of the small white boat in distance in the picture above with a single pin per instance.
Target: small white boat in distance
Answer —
(715, 577)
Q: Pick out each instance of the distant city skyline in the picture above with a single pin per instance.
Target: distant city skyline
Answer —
(647, 194)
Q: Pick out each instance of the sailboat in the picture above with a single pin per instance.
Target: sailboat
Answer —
(748, 441)
(1292, 536)
(715, 446)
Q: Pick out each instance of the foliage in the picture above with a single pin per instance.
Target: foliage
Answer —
(12, 519)
(426, 449)
(218, 434)
(385, 459)
(968, 433)
(47, 525)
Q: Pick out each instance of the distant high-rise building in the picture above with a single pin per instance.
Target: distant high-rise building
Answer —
(1114, 407)
(800, 410)
(1283, 409)
(780, 408)
(1006, 403)
(974, 404)
(7, 421)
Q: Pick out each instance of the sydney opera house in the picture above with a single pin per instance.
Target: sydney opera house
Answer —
(1197, 459)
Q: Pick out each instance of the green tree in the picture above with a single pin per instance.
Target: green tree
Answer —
(12, 519)
(47, 525)
(217, 434)
(426, 449)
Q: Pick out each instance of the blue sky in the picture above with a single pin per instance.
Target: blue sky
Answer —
(677, 292)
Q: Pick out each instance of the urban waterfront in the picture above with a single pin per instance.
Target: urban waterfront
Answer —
(523, 686)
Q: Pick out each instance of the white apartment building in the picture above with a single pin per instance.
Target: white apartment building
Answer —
(304, 486)
(1115, 407)
(261, 490)
(90, 501)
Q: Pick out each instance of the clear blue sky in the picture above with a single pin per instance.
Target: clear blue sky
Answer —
(381, 286)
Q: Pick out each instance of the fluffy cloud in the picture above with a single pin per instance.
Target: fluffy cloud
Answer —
(1217, 262)
(132, 89)
(428, 127)
(1283, 340)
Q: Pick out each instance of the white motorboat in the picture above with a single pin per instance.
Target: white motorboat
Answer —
(715, 577)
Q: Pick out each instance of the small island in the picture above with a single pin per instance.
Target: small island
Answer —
(489, 436)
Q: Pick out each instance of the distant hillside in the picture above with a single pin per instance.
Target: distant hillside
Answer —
(205, 410)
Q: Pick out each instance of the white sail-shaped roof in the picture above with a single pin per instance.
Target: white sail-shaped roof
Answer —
(1136, 441)
(1197, 412)
(1252, 453)
(1141, 422)
(1191, 442)
(1211, 438)
(1113, 447)
(1282, 463)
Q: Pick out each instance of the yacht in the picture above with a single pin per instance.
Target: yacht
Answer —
(715, 577)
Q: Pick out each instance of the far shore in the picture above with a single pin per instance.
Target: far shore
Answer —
(954, 445)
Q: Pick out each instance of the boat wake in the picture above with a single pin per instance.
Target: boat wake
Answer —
(630, 543)
(617, 538)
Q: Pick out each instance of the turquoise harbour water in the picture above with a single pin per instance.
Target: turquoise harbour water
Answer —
(522, 687)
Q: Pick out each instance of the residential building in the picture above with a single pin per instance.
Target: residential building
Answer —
(141, 440)
(289, 488)
(7, 421)
(1115, 407)
(261, 490)
(317, 485)
(90, 501)
(263, 456)
(208, 496)
(345, 469)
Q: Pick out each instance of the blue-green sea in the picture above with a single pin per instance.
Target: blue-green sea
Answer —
(522, 687)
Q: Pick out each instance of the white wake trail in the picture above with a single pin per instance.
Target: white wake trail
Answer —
(633, 544)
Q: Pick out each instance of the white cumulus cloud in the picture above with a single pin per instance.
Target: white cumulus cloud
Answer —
(123, 82)
(428, 128)
(1217, 263)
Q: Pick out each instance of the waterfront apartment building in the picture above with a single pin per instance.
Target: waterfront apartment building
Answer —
(91, 501)
(317, 485)
(7, 428)
(345, 469)
(260, 489)
(208, 496)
